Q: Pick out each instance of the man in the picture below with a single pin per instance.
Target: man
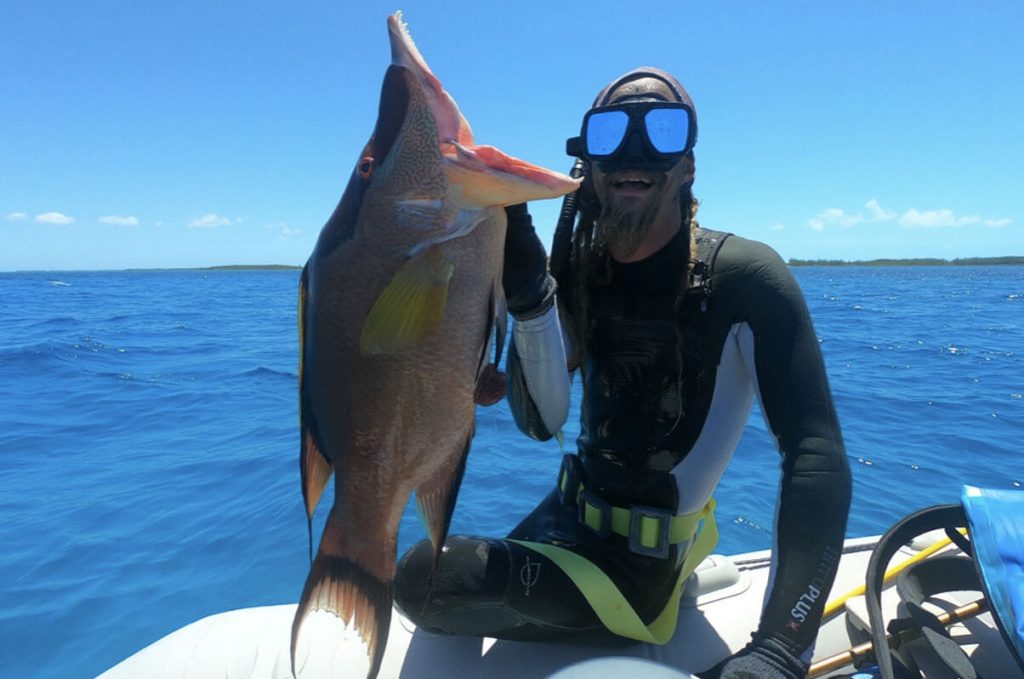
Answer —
(673, 329)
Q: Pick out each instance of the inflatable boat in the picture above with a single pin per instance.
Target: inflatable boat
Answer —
(719, 609)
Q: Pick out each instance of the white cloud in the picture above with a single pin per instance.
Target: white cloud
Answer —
(210, 220)
(54, 218)
(16, 217)
(284, 232)
(877, 213)
(930, 219)
(833, 216)
(911, 218)
(118, 220)
(777, 226)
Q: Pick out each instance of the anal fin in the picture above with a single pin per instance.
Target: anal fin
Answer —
(435, 498)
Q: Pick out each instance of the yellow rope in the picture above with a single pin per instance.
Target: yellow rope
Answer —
(836, 605)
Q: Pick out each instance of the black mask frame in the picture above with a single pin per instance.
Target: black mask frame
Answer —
(637, 112)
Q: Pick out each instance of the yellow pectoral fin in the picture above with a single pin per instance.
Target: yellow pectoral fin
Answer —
(411, 306)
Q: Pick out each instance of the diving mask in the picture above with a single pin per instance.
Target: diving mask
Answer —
(667, 130)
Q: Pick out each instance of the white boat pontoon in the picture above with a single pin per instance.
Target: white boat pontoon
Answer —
(720, 609)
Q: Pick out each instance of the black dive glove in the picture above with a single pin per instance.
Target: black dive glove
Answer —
(763, 658)
(529, 289)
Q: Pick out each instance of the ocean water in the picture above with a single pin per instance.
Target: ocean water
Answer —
(149, 431)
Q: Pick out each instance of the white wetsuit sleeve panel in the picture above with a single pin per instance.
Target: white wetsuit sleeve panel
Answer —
(699, 472)
(537, 362)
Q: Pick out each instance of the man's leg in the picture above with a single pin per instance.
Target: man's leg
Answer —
(495, 588)
(502, 589)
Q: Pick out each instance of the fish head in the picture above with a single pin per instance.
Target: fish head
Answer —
(422, 165)
(401, 165)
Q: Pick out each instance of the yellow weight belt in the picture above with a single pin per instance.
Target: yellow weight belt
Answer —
(649, 531)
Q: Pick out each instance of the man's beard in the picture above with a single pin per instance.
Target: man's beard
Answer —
(623, 225)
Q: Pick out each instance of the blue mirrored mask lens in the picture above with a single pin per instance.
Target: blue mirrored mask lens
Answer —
(668, 129)
(605, 131)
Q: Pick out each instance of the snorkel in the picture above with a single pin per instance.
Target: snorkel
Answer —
(561, 244)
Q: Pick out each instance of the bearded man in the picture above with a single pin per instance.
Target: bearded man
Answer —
(673, 329)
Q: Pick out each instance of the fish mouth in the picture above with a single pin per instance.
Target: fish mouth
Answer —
(451, 125)
(485, 176)
(408, 78)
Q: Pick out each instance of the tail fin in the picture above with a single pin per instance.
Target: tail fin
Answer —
(361, 600)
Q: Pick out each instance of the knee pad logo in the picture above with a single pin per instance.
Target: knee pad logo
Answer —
(529, 574)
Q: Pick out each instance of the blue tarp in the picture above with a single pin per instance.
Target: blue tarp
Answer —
(996, 524)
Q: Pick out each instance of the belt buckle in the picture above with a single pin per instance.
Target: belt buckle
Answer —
(638, 512)
(588, 497)
(568, 481)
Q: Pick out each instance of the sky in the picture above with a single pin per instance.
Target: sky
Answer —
(201, 133)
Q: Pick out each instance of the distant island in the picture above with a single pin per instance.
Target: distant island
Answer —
(920, 261)
(923, 261)
(250, 267)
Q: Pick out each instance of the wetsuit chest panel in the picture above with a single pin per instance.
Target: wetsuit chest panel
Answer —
(649, 368)
(632, 385)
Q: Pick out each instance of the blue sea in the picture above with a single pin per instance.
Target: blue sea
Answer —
(149, 440)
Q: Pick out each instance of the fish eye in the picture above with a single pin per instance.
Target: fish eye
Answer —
(365, 167)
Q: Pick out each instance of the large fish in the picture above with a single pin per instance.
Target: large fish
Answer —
(398, 305)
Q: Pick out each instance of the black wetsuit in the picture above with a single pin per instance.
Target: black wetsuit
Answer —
(667, 391)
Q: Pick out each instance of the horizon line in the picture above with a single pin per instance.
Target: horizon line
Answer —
(1010, 260)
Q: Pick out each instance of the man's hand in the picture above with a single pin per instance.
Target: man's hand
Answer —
(761, 659)
(528, 287)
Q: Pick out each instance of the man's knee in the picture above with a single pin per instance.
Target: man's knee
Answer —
(471, 576)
